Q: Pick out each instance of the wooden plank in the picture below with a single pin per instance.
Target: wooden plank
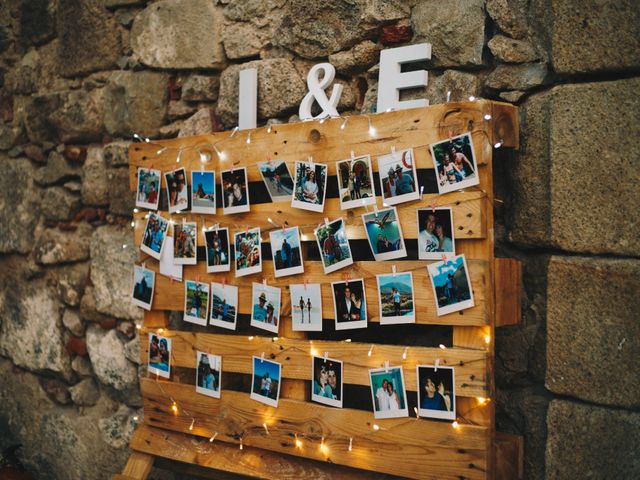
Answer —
(295, 356)
(138, 466)
(327, 143)
(122, 477)
(169, 295)
(249, 462)
(509, 453)
(508, 282)
(467, 209)
(156, 319)
(428, 449)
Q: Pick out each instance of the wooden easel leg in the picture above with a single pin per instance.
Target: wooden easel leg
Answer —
(137, 468)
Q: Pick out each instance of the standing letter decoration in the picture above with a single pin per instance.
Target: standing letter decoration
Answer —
(316, 86)
(248, 99)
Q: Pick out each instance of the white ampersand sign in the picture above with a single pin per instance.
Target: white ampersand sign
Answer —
(317, 86)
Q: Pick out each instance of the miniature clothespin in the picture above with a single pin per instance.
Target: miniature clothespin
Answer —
(450, 135)
(326, 354)
(393, 270)
(448, 95)
(393, 152)
(262, 357)
(435, 368)
(246, 230)
(375, 210)
(310, 160)
(264, 283)
(224, 282)
(434, 204)
(306, 282)
(370, 352)
(326, 221)
(404, 353)
(353, 155)
(386, 366)
(421, 191)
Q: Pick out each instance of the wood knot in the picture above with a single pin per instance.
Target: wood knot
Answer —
(314, 136)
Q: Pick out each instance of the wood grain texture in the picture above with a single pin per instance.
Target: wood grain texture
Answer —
(508, 281)
(169, 295)
(295, 357)
(509, 452)
(428, 449)
(138, 465)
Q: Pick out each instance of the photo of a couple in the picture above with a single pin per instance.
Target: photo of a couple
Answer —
(148, 194)
(306, 307)
(388, 392)
(436, 392)
(327, 381)
(455, 163)
(310, 186)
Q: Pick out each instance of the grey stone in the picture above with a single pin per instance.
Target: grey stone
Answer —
(85, 393)
(201, 88)
(30, 331)
(37, 22)
(513, 96)
(132, 351)
(82, 366)
(242, 40)
(510, 16)
(517, 77)
(73, 186)
(35, 112)
(107, 357)
(562, 193)
(88, 308)
(361, 57)
(462, 85)
(592, 327)
(112, 271)
(136, 101)
(172, 130)
(58, 204)
(22, 79)
(591, 442)
(198, 124)
(95, 184)
(179, 34)
(116, 154)
(122, 3)
(56, 390)
(59, 246)
(71, 281)
(9, 135)
(89, 37)
(57, 170)
(280, 89)
(118, 429)
(71, 320)
(180, 109)
(79, 116)
(594, 36)
(121, 202)
(19, 200)
(510, 50)
(456, 33)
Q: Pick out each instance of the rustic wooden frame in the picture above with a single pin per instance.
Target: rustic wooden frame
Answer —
(410, 447)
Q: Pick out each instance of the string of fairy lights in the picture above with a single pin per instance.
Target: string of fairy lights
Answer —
(204, 151)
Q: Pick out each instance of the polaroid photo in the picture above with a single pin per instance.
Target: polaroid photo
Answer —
(435, 233)
(326, 386)
(177, 191)
(277, 179)
(217, 249)
(267, 376)
(349, 304)
(388, 392)
(395, 298)
(159, 360)
(196, 302)
(224, 306)
(306, 307)
(208, 374)
(248, 254)
(148, 192)
(333, 245)
(384, 234)
(185, 247)
(167, 267)
(286, 252)
(265, 310)
(143, 284)
(203, 191)
(235, 191)
(355, 182)
(455, 163)
(436, 392)
(310, 186)
(451, 285)
(398, 179)
(154, 236)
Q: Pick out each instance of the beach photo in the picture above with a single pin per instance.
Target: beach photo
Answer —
(143, 284)
(436, 392)
(455, 163)
(398, 179)
(235, 191)
(277, 179)
(435, 233)
(326, 384)
(177, 193)
(265, 310)
(384, 234)
(306, 307)
(333, 245)
(388, 392)
(203, 191)
(159, 359)
(196, 302)
(349, 304)
(395, 298)
(248, 256)
(285, 251)
(266, 377)
(355, 182)
(208, 374)
(217, 250)
(224, 305)
(154, 236)
(309, 186)
(451, 285)
(185, 246)
(148, 190)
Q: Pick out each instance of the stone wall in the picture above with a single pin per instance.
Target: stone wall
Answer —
(77, 77)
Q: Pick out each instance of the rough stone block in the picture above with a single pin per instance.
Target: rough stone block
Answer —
(361, 57)
(517, 77)
(57, 170)
(95, 184)
(243, 40)
(79, 116)
(85, 393)
(575, 182)
(121, 202)
(107, 357)
(201, 88)
(56, 246)
(179, 34)
(71, 320)
(71, 281)
(594, 35)
(510, 50)
(58, 204)
(593, 329)
(116, 154)
(591, 442)
(510, 16)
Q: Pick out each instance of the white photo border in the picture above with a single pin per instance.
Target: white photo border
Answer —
(396, 320)
(379, 257)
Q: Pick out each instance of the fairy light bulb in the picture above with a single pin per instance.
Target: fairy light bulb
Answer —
(350, 444)
(455, 424)
(269, 129)
(442, 346)
(133, 223)
(241, 444)
(135, 210)
(375, 427)
(193, 421)
(404, 353)
(213, 437)
(266, 429)
(248, 138)
(372, 129)
(487, 339)
(344, 123)
(251, 338)
(174, 408)
(370, 351)
(498, 144)
(298, 442)
(487, 116)
(482, 400)
(323, 447)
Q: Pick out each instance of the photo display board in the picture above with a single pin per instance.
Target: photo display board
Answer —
(320, 438)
